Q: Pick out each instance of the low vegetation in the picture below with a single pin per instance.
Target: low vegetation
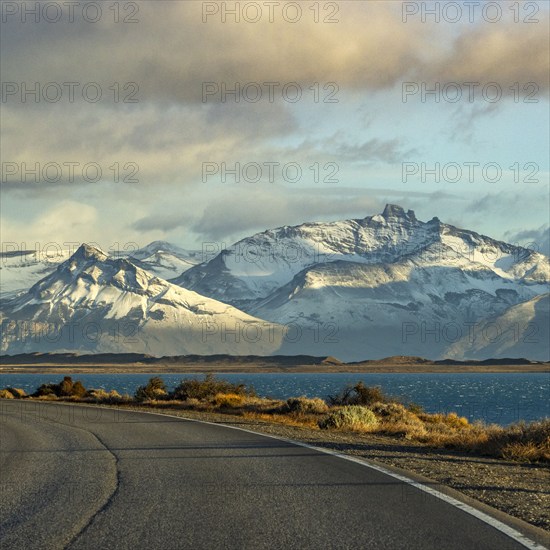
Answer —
(65, 388)
(357, 408)
(207, 388)
(155, 389)
(351, 417)
(359, 394)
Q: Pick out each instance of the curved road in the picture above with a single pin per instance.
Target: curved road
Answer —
(89, 478)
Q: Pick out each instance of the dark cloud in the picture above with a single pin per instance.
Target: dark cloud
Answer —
(170, 53)
(535, 239)
(243, 209)
(160, 222)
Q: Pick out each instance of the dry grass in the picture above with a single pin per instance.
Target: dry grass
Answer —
(522, 442)
(228, 400)
(17, 392)
(351, 417)
(295, 420)
(101, 396)
(208, 388)
(305, 405)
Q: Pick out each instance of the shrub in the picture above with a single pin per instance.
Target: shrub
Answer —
(396, 419)
(304, 405)
(100, 395)
(208, 388)
(17, 393)
(78, 390)
(359, 395)
(66, 388)
(6, 394)
(155, 389)
(415, 408)
(525, 452)
(351, 417)
(228, 400)
(455, 421)
(45, 389)
(526, 442)
(389, 411)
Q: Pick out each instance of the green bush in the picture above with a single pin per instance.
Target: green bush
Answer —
(155, 389)
(351, 417)
(208, 388)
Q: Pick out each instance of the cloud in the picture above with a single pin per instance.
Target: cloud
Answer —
(170, 132)
(390, 151)
(66, 217)
(160, 222)
(170, 53)
(535, 239)
(243, 209)
(502, 53)
(167, 144)
(466, 118)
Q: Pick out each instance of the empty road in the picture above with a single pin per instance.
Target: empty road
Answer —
(90, 478)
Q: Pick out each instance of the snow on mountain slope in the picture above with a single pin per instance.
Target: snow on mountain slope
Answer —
(19, 270)
(382, 309)
(522, 330)
(253, 268)
(165, 259)
(96, 304)
(385, 285)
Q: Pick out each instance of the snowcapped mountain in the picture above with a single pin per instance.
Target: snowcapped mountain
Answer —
(19, 270)
(384, 285)
(255, 267)
(165, 260)
(521, 329)
(93, 303)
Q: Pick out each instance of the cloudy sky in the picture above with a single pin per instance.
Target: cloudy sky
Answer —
(132, 120)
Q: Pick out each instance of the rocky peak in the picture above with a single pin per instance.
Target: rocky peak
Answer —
(88, 252)
(395, 211)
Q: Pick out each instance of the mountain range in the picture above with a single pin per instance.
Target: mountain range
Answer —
(368, 288)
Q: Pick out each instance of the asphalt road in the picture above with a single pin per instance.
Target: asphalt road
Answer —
(88, 478)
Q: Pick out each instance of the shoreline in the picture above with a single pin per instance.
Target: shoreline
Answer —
(346, 368)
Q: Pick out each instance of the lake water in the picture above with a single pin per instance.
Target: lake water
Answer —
(493, 398)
